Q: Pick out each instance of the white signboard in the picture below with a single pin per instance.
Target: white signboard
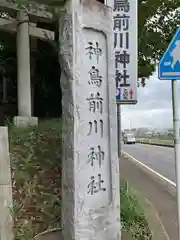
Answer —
(125, 50)
(94, 172)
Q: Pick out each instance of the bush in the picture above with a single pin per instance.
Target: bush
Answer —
(36, 178)
(132, 216)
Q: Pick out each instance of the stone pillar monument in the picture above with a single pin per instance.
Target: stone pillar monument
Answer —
(23, 63)
(90, 182)
(23, 72)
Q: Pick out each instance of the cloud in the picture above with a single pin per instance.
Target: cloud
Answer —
(154, 108)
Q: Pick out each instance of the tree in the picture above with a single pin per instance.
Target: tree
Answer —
(8, 63)
(47, 73)
(158, 20)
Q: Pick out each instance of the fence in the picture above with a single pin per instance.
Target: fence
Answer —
(158, 142)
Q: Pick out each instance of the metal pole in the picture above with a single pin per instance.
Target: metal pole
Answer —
(119, 134)
(176, 124)
(130, 123)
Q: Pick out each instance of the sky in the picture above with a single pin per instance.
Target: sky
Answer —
(154, 107)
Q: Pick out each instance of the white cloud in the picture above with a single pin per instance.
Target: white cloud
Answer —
(154, 108)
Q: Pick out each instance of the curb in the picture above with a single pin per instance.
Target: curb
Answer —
(155, 224)
(164, 184)
(158, 230)
(157, 144)
(154, 221)
(158, 186)
(53, 234)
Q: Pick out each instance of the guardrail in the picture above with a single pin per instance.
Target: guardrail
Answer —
(157, 142)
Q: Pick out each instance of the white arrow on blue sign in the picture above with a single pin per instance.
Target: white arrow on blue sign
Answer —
(169, 65)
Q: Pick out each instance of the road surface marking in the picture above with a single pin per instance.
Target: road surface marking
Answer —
(150, 169)
(157, 216)
(160, 176)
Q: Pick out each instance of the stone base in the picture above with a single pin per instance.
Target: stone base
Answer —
(25, 121)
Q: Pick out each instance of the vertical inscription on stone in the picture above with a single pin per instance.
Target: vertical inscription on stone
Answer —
(94, 50)
(94, 77)
(96, 157)
(96, 185)
(95, 103)
(95, 140)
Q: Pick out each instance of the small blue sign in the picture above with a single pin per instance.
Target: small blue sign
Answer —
(118, 94)
(169, 65)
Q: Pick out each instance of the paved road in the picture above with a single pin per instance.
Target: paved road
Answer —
(152, 189)
(160, 159)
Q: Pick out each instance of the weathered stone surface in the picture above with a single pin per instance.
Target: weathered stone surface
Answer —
(33, 8)
(87, 214)
(25, 121)
(11, 26)
(6, 221)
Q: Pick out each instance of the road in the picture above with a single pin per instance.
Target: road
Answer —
(160, 159)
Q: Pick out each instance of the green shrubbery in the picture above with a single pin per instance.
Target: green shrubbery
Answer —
(36, 178)
(132, 215)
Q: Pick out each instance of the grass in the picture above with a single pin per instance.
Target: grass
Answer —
(36, 171)
(158, 141)
(36, 179)
(163, 137)
(132, 215)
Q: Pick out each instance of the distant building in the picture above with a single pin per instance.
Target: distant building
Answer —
(149, 133)
(141, 131)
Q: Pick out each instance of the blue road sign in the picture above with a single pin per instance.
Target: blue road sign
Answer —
(169, 65)
(118, 94)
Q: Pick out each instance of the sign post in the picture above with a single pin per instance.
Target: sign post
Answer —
(125, 56)
(176, 126)
(125, 22)
(169, 69)
(125, 50)
(119, 133)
